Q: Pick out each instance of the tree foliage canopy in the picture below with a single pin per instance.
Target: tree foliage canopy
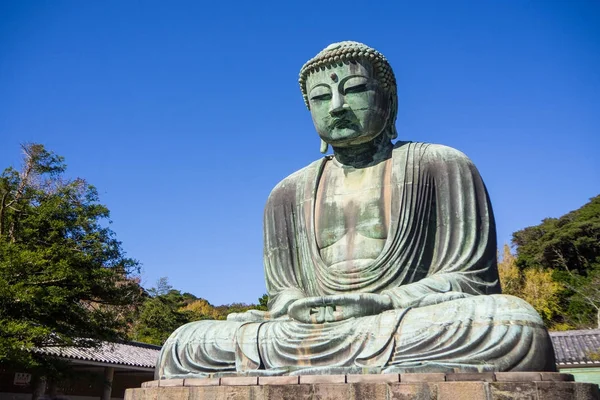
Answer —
(166, 309)
(569, 249)
(64, 277)
(570, 243)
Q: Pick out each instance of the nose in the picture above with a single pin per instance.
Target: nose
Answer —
(337, 103)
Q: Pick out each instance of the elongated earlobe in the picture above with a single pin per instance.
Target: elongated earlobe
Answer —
(324, 146)
(391, 122)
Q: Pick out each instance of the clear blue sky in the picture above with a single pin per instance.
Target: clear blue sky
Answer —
(185, 114)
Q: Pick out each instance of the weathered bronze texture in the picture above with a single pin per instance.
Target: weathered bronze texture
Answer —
(378, 259)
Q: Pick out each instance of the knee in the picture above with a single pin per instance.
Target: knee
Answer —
(500, 308)
(190, 330)
(513, 308)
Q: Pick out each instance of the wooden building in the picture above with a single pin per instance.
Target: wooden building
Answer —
(98, 373)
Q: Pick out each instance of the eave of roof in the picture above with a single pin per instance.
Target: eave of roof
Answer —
(131, 354)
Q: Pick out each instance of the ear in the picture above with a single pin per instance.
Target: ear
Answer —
(392, 132)
(324, 146)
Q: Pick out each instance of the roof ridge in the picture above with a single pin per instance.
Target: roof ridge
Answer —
(140, 344)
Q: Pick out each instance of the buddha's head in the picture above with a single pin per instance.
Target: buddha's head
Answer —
(350, 90)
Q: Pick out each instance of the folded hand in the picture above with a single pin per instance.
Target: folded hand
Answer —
(318, 310)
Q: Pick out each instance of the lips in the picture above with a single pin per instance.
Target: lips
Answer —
(340, 123)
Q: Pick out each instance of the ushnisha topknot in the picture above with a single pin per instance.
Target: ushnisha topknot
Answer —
(345, 52)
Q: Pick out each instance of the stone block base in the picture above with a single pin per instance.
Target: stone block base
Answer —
(487, 386)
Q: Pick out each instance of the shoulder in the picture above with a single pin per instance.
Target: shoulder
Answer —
(431, 153)
(287, 188)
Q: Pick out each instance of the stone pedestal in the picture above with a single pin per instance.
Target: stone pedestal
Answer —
(434, 386)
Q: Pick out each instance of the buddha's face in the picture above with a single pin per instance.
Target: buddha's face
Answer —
(347, 104)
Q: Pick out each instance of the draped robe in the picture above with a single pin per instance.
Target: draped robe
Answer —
(438, 266)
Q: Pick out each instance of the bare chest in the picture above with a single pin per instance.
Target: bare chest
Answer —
(352, 212)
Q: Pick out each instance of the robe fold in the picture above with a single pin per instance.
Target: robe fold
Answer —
(441, 238)
(438, 265)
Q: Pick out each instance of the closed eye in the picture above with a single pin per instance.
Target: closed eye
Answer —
(318, 97)
(356, 89)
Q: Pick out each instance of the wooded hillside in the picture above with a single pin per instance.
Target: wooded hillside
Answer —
(557, 268)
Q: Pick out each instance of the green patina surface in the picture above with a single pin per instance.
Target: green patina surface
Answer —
(380, 258)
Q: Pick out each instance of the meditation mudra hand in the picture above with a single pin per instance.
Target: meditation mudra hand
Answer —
(379, 259)
(318, 310)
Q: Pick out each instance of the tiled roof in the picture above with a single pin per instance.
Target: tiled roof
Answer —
(577, 347)
(126, 354)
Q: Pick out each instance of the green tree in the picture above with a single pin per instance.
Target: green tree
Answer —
(568, 246)
(162, 288)
(163, 310)
(157, 319)
(263, 302)
(64, 278)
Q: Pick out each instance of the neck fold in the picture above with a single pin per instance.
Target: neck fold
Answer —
(366, 154)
